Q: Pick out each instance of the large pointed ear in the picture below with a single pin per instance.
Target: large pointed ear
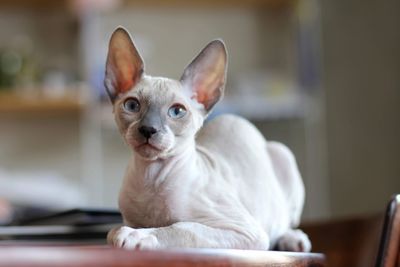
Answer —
(205, 76)
(124, 67)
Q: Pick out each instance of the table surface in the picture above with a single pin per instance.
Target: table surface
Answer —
(44, 256)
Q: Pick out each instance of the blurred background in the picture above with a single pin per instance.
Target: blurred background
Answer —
(321, 76)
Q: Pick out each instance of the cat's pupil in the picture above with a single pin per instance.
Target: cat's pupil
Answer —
(132, 105)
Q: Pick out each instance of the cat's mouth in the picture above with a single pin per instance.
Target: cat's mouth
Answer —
(149, 151)
(147, 144)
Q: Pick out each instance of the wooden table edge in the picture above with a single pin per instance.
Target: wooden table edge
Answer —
(105, 256)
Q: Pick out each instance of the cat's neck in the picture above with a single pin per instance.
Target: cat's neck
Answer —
(157, 172)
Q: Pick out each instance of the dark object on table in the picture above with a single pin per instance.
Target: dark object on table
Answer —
(76, 226)
(389, 248)
(79, 217)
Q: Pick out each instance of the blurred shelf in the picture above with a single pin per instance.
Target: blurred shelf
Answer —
(34, 4)
(44, 4)
(16, 103)
(212, 3)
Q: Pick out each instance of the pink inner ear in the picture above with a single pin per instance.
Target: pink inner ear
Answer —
(206, 85)
(201, 95)
(125, 71)
(126, 80)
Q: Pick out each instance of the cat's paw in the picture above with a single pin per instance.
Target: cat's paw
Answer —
(294, 240)
(130, 238)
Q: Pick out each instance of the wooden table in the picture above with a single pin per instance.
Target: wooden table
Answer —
(105, 256)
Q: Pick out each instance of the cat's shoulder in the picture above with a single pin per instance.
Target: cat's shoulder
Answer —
(228, 121)
(228, 117)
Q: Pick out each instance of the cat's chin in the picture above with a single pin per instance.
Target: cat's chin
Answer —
(149, 152)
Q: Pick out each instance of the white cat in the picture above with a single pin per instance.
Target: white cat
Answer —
(221, 185)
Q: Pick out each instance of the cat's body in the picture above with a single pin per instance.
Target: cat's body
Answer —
(219, 185)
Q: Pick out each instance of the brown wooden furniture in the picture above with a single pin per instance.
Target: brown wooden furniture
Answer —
(347, 242)
(360, 242)
(90, 256)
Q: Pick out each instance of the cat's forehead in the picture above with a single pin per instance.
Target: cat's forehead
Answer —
(158, 89)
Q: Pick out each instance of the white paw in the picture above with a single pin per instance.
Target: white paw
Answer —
(130, 238)
(294, 240)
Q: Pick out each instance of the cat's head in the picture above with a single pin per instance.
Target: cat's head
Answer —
(156, 116)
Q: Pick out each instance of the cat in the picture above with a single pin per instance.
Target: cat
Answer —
(218, 185)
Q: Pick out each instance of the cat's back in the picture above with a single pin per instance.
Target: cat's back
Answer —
(230, 134)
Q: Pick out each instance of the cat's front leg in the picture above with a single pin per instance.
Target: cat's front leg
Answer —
(188, 235)
(131, 238)
(294, 240)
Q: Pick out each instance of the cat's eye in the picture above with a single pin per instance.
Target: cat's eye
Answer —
(132, 105)
(177, 111)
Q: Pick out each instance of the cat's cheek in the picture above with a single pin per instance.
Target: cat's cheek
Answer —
(131, 142)
(180, 128)
(125, 125)
(165, 141)
(132, 138)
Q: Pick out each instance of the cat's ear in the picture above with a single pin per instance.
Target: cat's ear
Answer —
(205, 76)
(124, 67)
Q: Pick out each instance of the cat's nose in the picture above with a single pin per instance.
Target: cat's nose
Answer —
(147, 131)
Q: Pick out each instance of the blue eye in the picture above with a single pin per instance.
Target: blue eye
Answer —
(132, 105)
(177, 111)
